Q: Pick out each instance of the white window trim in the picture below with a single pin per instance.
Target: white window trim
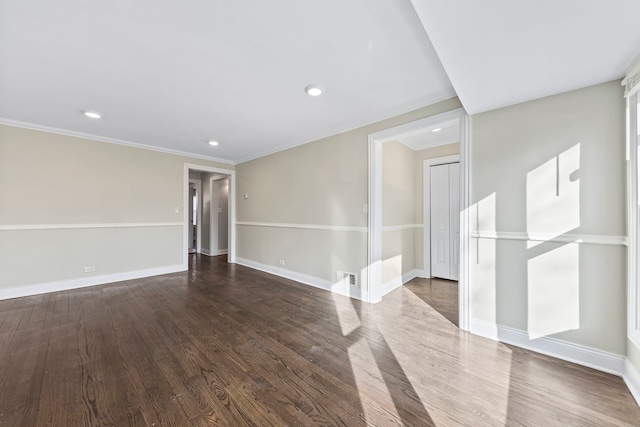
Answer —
(633, 282)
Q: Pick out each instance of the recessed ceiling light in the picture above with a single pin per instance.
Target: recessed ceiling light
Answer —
(436, 130)
(92, 114)
(214, 143)
(314, 90)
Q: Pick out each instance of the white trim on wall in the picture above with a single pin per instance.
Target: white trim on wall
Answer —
(426, 205)
(339, 288)
(303, 226)
(83, 226)
(631, 378)
(231, 208)
(381, 116)
(575, 353)
(214, 223)
(542, 237)
(198, 184)
(398, 281)
(633, 217)
(93, 137)
(375, 141)
(401, 227)
(65, 285)
(464, 289)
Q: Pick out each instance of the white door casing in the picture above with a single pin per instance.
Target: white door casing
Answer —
(454, 223)
(231, 209)
(197, 185)
(372, 283)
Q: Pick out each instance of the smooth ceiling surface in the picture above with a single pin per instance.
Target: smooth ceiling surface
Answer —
(448, 133)
(503, 52)
(176, 74)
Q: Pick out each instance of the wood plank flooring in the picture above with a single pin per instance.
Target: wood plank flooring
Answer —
(230, 346)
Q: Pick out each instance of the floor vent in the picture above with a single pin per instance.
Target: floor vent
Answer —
(350, 279)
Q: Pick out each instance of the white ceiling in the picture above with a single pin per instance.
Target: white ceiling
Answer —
(503, 52)
(448, 134)
(175, 74)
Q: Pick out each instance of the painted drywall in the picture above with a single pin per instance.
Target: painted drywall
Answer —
(220, 187)
(79, 182)
(398, 209)
(206, 212)
(223, 214)
(419, 157)
(322, 183)
(555, 166)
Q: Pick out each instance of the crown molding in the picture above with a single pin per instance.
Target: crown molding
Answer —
(443, 95)
(67, 132)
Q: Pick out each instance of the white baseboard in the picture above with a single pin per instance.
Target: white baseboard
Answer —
(64, 285)
(632, 379)
(396, 282)
(316, 282)
(207, 252)
(575, 353)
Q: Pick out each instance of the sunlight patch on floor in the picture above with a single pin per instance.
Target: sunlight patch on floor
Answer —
(370, 384)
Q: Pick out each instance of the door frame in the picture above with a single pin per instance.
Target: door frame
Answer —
(231, 258)
(213, 216)
(214, 229)
(373, 292)
(426, 205)
(198, 185)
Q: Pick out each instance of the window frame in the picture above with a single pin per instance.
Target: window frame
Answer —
(633, 218)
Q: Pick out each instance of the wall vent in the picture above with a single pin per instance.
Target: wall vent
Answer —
(349, 279)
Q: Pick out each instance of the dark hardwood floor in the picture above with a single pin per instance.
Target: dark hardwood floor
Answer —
(227, 345)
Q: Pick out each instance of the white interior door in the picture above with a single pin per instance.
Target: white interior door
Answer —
(440, 218)
(445, 221)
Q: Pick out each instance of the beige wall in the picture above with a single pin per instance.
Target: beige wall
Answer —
(223, 216)
(402, 205)
(206, 211)
(321, 183)
(52, 179)
(398, 209)
(556, 166)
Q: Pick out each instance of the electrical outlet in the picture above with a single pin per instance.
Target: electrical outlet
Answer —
(281, 262)
(90, 269)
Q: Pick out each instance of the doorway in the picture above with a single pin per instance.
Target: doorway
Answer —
(218, 214)
(442, 230)
(195, 216)
(431, 125)
(208, 212)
